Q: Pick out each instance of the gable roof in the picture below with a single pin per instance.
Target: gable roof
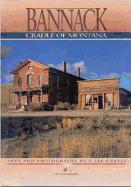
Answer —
(15, 70)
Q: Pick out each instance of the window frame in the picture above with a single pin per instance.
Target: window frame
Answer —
(39, 80)
(30, 67)
(29, 81)
(19, 81)
(89, 103)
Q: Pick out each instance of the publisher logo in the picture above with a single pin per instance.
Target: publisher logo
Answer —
(66, 167)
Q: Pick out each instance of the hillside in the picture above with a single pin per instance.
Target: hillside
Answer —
(6, 96)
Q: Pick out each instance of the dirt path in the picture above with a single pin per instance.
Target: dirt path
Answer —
(67, 113)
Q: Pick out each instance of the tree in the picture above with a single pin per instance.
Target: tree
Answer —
(4, 51)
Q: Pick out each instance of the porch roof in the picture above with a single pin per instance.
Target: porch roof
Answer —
(25, 90)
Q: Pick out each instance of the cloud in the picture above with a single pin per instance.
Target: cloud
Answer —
(71, 68)
(68, 67)
(51, 65)
(83, 69)
(9, 78)
(113, 75)
(4, 51)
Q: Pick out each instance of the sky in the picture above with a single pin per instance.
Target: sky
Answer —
(96, 59)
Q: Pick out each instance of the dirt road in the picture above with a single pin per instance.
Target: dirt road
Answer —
(69, 113)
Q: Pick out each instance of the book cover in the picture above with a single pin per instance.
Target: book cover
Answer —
(65, 93)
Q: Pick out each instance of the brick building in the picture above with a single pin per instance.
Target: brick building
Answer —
(36, 82)
(102, 94)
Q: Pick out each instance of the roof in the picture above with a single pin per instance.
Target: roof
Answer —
(24, 64)
(29, 60)
(97, 80)
(125, 90)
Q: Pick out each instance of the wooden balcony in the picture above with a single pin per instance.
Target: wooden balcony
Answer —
(28, 88)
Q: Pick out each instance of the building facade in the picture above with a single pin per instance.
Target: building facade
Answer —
(102, 94)
(36, 82)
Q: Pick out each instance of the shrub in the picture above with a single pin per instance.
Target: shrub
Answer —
(34, 106)
(62, 106)
(18, 106)
(73, 107)
(40, 107)
(65, 106)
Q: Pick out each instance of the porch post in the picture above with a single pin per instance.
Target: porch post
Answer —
(28, 97)
(41, 96)
(92, 100)
(118, 98)
(113, 99)
(20, 97)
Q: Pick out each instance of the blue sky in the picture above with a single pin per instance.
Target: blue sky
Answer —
(97, 59)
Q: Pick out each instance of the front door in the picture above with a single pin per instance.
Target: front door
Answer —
(95, 102)
(100, 102)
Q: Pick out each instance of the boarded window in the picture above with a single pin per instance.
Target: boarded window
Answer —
(19, 81)
(40, 80)
(29, 80)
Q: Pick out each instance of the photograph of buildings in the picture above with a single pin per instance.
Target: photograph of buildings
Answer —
(71, 99)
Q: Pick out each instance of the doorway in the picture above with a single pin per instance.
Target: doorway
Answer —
(100, 106)
(95, 102)
(29, 97)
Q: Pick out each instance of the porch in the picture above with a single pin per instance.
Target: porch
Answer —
(103, 100)
(27, 96)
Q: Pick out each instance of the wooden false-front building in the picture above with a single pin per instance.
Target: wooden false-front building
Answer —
(102, 94)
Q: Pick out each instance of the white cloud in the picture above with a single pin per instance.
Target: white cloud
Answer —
(51, 65)
(112, 75)
(9, 78)
(81, 64)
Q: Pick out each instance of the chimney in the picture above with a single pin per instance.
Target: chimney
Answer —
(78, 72)
(64, 66)
(20, 63)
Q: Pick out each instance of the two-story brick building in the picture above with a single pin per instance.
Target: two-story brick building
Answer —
(102, 94)
(36, 82)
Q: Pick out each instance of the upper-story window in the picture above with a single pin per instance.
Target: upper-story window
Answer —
(29, 80)
(19, 81)
(40, 80)
(30, 68)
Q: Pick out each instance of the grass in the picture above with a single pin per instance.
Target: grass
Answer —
(76, 138)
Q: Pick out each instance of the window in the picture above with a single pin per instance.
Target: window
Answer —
(40, 80)
(88, 100)
(19, 81)
(30, 68)
(58, 82)
(58, 97)
(29, 80)
(68, 82)
(108, 99)
(95, 100)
